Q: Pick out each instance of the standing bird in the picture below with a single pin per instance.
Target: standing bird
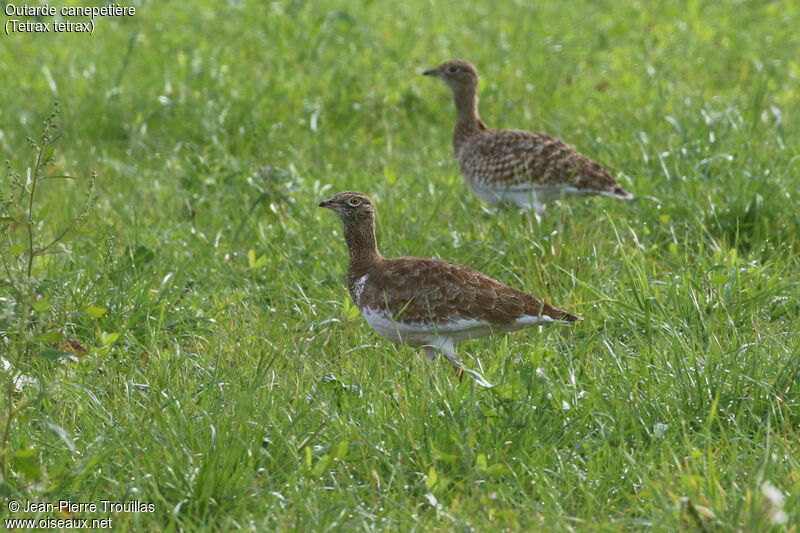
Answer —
(513, 166)
(428, 303)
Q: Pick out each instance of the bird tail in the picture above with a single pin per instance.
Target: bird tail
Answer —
(559, 314)
(569, 317)
(618, 192)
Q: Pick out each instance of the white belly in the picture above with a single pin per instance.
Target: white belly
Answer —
(414, 334)
(418, 334)
(526, 196)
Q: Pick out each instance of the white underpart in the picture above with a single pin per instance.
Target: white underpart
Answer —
(528, 196)
(359, 288)
(444, 336)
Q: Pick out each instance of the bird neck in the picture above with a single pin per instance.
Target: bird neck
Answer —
(468, 123)
(361, 243)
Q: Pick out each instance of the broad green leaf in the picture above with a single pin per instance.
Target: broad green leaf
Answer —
(48, 152)
(253, 262)
(26, 462)
(432, 478)
(42, 304)
(107, 339)
(480, 461)
(18, 249)
(43, 211)
(308, 456)
(719, 279)
(24, 453)
(350, 309)
(445, 457)
(322, 465)
(498, 469)
(339, 450)
(94, 312)
(506, 514)
(49, 336)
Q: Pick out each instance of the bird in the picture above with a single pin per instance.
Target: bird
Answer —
(428, 303)
(513, 166)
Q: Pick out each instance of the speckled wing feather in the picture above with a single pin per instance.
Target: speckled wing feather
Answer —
(514, 159)
(414, 289)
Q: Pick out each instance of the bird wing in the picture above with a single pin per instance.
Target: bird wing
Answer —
(515, 159)
(413, 289)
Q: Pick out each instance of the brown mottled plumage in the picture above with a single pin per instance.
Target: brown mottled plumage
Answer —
(428, 303)
(521, 167)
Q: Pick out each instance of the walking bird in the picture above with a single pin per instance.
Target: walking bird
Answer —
(428, 303)
(513, 166)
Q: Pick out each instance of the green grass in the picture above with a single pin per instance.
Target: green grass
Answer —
(244, 391)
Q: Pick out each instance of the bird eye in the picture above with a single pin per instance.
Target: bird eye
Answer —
(452, 69)
(354, 202)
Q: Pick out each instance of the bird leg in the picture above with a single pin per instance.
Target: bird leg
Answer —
(450, 354)
(430, 354)
(462, 369)
(540, 213)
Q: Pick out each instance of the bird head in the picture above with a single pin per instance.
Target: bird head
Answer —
(351, 206)
(456, 73)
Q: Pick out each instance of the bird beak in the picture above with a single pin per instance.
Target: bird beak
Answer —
(327, 203)
(431, 72)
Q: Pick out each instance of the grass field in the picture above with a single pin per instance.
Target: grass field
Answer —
(229, 380)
